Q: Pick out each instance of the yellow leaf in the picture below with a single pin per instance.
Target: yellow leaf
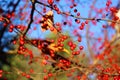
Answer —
(57, 49)
(50, 26)
(33, 1)
(49, 13)
(65, 50)
(49, 22)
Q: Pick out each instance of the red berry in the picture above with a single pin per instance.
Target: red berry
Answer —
(65, 37)
(10, 30)
(45, 77)
(78, 77)
(72, 48)
(23, 74)
(52, 54)
(81, 47)
(108, 3)
(81, 27)
(46, 57)
(4, 24)
(1, 18)
(74, 45)
(11, 26)
(70, 43)
(74, 4)
(31, 70)
(0, 75)
(18, 26)
(14, 42)
(77, 52)
(116, 17)
(61, 45)
(82, 24)
(8, 16)
(1, 71)
(44, 10)
(78, 21)
(113, 9)
(39, 46)
(21, 42)
(44, 70)
(44, 62)
(79, 39)
(50, 2)
(75, 10)
(71, 6)
(51, 29)
(73, 53)
(104, 26)
(86, 22)
(50, 74)
(27, 76)
(78, 14)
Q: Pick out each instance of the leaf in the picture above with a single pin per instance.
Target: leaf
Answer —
(33, 1)
(58, 49)
(47, 22)
(49, 13)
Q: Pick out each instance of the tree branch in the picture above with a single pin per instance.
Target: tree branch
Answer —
(31, 16)
(78, 17)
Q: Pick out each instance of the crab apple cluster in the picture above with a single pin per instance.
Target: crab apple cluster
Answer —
(11, 28)
(6, 19)
(19, 27)
(113, 11)
(76, 52)
(60, 41)
(26, 75)
(21, 50)
(65, 62)
(73, 5)
(70, 43)
(22, 41)
(81, 27)
(56, 8)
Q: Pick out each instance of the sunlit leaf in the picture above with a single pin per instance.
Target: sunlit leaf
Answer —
(58, 49)
(47, 22)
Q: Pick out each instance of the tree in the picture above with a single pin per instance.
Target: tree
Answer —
(59, 40)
